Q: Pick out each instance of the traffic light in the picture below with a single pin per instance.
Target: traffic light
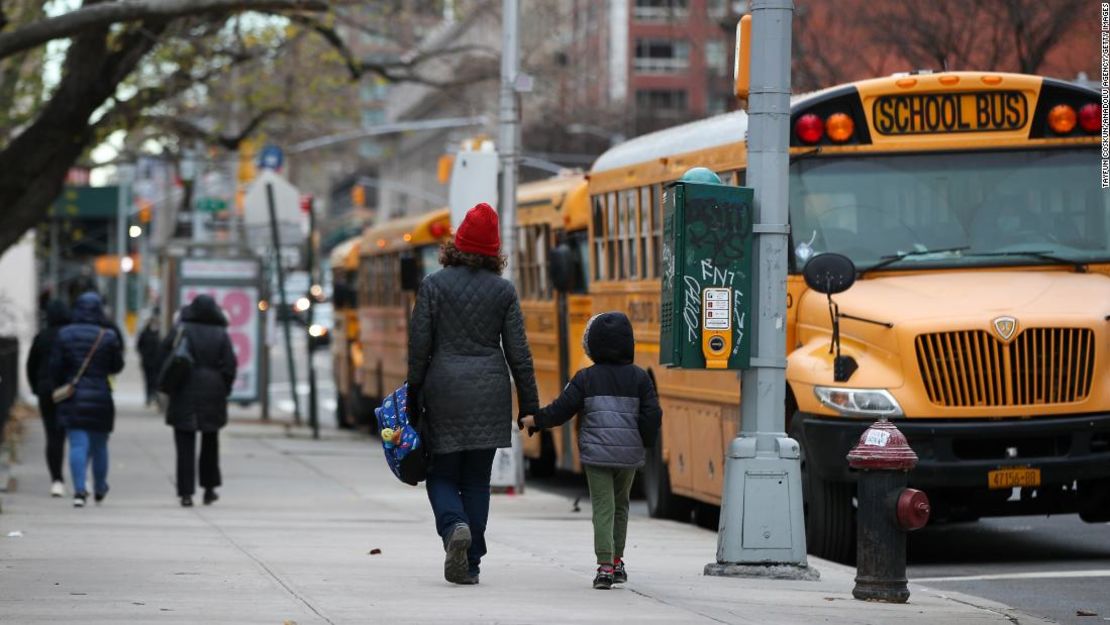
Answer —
(358, 196)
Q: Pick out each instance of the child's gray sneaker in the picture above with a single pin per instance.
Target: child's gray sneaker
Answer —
(604, 578)
(619, 574)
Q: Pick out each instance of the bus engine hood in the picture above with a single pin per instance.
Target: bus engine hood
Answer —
(954, 309)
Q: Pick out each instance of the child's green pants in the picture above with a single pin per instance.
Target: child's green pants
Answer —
(609, 489)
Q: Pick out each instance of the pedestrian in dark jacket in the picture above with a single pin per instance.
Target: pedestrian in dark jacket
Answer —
(42, 385)
(150, 353)
(89, 414)
(200, 404)
(620, 416)
(465, 327)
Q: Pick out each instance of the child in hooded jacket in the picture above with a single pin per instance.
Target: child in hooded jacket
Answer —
(620, 416)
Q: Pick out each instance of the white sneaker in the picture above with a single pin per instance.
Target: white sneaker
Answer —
(58, 489)
(79, 501)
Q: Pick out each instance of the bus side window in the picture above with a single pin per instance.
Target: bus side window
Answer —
(643, 231)
(599, 238)
(612, 227)
(657, 225)
(628, 223)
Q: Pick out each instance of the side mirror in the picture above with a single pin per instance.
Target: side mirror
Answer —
(410, 273)
(562, 269)
(830, 273)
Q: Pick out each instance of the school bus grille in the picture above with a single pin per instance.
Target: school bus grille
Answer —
(972, 368)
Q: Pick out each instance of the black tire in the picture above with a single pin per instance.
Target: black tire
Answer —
(830, 516)
(662, 503)
(544, 466)
(1097, 508)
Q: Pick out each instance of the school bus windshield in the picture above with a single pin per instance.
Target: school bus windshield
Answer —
(951, 209)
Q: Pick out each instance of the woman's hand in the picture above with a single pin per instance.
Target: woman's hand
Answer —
(527, 421)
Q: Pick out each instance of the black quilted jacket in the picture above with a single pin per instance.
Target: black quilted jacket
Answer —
(465, 326)
(200, 405)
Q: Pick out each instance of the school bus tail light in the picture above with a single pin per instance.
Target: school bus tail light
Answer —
(839, 127)
(1061, 119)
(437, 229)
(1090, 117)
(809, 128)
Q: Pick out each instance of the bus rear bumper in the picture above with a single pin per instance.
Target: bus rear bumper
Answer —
(960, 454)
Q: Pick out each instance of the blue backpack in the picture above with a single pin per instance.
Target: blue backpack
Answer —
(404, 448)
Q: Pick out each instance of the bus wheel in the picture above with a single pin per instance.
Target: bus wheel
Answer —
(1097, 508)
(830, 517)
(661, 502)
(544, 466)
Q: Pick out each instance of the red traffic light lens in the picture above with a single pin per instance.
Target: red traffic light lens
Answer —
(809, 128)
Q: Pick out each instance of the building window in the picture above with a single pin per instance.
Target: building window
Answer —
(661, 102)
(718, 9)
(662, 56)
(716, 57)
(661, 10)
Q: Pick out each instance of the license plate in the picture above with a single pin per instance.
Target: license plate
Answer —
(1009, 478)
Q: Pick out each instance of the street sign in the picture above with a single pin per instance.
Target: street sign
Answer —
(287, 208)
(271, 157)
(473, 180)
(211, 204)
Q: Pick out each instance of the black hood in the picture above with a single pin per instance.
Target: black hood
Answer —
(204, 310)
(57, 313)
(88, 309)
(609, 339)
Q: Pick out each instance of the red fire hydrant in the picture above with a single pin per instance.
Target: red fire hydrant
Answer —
(885, 511)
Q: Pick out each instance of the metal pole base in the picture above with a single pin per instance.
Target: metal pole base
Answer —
(802, 572)
(881, 590)
(762, 523)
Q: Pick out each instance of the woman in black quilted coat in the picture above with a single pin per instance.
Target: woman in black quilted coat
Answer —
(38, 373)
(200, 405)
(465, 327)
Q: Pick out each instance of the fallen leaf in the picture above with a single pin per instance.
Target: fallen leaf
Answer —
(1085, 613)
(375, 552)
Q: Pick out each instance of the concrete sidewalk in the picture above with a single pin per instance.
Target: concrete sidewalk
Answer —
(291, 541)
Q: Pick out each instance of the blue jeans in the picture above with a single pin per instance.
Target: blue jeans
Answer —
(458, 487)
(83, 446)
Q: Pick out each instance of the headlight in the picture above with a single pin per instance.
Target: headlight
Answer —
(301, 304)
(859, 402)
(317, 330)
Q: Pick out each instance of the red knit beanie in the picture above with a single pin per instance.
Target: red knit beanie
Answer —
(479, 232)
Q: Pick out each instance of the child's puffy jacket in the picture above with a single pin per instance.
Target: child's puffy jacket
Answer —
(615, 399)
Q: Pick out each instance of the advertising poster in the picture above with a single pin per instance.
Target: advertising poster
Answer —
(234, 286)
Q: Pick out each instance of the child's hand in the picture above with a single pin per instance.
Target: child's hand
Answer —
(527, 422)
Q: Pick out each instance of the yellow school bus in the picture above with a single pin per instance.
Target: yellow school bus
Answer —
(971, 204)
(394, 257)
(552, 215)
(346, 353)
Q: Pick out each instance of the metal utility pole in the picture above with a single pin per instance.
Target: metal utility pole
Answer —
(123, 204)
(509, 140)
(307, 204)
(762, 531)
(512, 82)
(283, 304)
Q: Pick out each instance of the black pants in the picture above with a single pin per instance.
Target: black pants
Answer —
(150, 376)
(186, 443)
(55, 437)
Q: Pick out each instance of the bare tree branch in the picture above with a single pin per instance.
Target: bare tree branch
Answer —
(100, 15)
(185, 128)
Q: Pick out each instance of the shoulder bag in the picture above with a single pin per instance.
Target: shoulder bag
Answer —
(67, 390)
(178, 366)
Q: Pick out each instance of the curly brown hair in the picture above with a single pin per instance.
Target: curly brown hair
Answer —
(449, 256)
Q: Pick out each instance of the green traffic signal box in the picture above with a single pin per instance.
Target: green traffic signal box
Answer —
(707, 274)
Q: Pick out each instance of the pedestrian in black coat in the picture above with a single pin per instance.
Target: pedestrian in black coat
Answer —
(89, 414)
(200, 404)
(38, 374)
(466, 335)
(150, 353)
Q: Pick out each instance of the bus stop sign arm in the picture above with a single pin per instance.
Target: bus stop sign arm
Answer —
(762, 531)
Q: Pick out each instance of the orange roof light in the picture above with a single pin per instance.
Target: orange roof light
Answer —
(906, 83)
(407, 237)
(839, 127)
(381, 242)
(948, 79)
(1061, 119)
(991, 80)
